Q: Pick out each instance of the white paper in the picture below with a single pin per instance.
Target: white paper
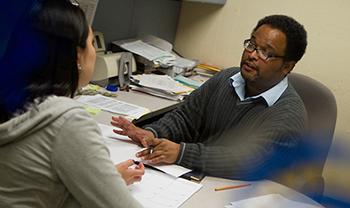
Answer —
(162, 82)
(158, 190)
(121, 148)
(184, 63)
(158, 93)
(113, 105)
(269, 200)
(146, 50)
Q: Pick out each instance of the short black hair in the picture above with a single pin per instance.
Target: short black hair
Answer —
(295, 33)
(41, 56)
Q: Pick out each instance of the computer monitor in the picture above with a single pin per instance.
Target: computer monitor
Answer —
(89, 7)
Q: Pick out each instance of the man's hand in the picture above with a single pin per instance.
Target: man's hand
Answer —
(130, 174)
(129, 129)
(159, 151)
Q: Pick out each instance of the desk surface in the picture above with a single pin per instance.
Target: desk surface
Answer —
(207, 196)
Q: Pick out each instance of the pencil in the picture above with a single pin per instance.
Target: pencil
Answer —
(232, 187)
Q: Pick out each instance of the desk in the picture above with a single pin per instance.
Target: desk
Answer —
(207, 196)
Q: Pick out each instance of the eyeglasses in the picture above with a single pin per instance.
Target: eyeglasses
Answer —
(263, 54)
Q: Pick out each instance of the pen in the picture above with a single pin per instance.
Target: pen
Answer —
(151, 149)
(136, 162)
(232, 187)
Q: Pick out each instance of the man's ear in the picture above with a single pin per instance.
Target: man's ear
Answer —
(288, 67)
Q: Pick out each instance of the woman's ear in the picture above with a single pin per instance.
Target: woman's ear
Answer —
(79, 57)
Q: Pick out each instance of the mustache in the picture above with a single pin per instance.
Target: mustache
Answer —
(249, 63)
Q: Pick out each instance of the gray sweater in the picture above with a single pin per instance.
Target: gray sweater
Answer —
(222, 136)
(54, 156)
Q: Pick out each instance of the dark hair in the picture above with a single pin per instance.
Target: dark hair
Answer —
(294, 31)
(40, 58)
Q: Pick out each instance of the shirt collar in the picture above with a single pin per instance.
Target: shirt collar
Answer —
(270, 96)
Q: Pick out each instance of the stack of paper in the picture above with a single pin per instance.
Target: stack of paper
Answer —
(158, 51)
(152, 53)
(183, 65)
(161, 85)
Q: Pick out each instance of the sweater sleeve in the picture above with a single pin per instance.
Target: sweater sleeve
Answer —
(185, 122)
(81, 161)
(258, 153)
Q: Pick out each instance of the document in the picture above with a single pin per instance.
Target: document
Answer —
(184, 63)
(158, 93)
(158, 190)
(269, 200)
(162, 82)
(146, 50)
(113, 105)
(122, 148)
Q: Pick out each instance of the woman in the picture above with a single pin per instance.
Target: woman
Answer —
(52, 152)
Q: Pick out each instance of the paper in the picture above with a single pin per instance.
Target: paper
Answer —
(146, 50)
(184, 63)
(113, 105)
(158, 190)
(158, 93)
(269, 200)
(162, 82)
(121, 148)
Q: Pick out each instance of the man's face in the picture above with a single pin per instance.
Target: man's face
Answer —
(261, 74)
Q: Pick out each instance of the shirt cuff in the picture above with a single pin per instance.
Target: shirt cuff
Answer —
(181, 153)
(152, 130)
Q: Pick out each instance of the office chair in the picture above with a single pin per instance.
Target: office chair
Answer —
(321, 108)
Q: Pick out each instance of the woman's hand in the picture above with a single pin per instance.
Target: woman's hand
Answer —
(130, 172)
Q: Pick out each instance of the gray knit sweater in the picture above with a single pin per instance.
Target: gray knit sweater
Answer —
(222, 136)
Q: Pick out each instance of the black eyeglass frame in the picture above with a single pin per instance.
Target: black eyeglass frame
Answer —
(261, 53)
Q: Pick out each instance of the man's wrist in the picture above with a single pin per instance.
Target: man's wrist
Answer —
(181, 153)
(152, 130)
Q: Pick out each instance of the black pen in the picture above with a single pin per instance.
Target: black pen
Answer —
(136, 162)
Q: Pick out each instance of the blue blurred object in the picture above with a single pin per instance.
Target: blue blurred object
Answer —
(21, 51)
(321, 108)
(112, 88)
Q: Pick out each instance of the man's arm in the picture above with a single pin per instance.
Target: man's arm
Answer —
(185, 122)
(259, 152)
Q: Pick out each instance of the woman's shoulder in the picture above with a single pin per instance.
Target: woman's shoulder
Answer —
(59, 110)
(57, 105)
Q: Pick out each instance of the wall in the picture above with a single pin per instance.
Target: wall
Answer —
(120, 19)
(214, 34)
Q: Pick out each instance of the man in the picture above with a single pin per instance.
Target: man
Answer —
(242, 123)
